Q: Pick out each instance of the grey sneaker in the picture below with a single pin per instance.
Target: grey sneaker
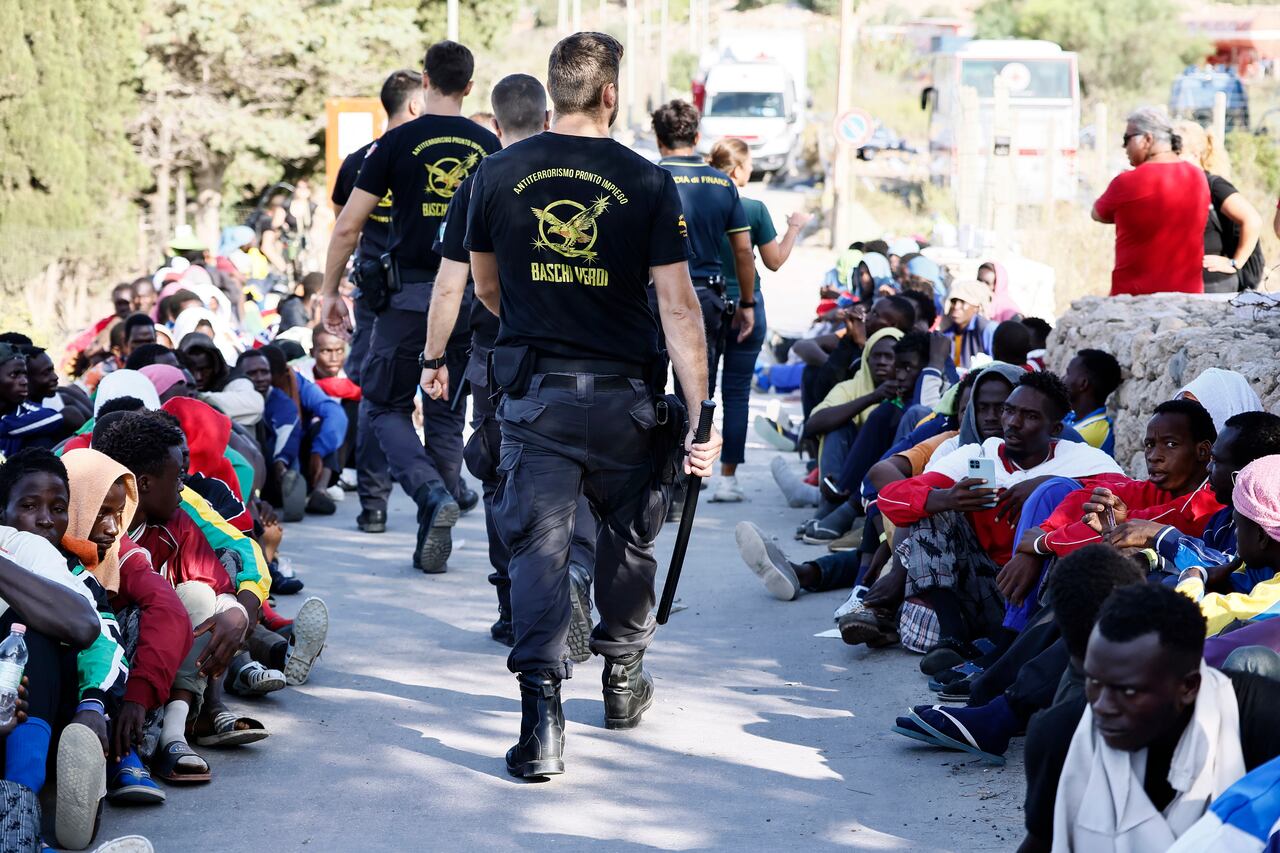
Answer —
(767, 561)
(310, 630)
(580, 622)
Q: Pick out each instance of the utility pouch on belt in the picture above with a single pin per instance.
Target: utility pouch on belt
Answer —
(668, 439)
(510, 369)
(391, 270)
(371, 277)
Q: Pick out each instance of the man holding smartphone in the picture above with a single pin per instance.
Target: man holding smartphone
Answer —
(960, 528)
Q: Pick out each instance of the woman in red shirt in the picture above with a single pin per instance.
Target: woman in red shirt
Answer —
(1159, 209)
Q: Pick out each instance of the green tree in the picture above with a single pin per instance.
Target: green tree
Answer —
(237, 88)
(67, 172)
(1126, 47)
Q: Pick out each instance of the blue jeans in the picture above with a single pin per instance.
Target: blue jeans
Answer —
(1038, 507)
(869, 446)
(735, 385)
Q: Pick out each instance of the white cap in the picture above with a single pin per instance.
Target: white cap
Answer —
(18, 628)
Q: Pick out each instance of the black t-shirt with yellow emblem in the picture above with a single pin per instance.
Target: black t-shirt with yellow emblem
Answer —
(375, 237)
(575, 224)
(422, 163)
(451, 243)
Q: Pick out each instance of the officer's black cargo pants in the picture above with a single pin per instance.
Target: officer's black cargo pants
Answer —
(482, 454)
(389, 383)
(572, 435)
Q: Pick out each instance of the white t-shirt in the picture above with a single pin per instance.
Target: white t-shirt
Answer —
(37, 556)
(1068, 459)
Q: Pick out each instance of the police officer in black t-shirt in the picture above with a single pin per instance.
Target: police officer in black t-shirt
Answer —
(565, 230)
(422, 163)
(401, 98)
(712, 210)
(520, 110)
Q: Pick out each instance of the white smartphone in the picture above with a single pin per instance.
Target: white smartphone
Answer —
(984, 468)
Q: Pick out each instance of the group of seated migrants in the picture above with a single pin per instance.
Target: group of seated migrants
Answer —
(146, 479)
(968, 498)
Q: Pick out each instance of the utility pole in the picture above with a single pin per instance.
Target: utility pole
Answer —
(577, 16)
(562, 17)
(664, 65)
(630, 58)
(452, 16)
(842, 179)
(693, 28)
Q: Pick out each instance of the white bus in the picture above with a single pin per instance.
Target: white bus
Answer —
(1044, 107)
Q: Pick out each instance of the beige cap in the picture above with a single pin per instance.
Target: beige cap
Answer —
(971, 291)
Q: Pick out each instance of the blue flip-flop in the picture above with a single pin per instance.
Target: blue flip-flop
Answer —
(969, 743)
(909, 726)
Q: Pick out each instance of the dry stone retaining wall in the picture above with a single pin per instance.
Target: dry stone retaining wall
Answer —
(1163, 342)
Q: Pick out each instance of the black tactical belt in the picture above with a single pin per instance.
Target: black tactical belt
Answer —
(598, 366)
(599, 382)
(714, 283)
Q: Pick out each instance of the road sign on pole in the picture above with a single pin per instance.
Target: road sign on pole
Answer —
(854, 128)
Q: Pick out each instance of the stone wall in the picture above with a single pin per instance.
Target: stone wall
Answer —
(1163, 342)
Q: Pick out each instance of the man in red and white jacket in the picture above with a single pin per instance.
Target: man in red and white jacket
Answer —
(961, 529)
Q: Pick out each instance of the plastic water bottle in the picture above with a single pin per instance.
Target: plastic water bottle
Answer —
(13, 660)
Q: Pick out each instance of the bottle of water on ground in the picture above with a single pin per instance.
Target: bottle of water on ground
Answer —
(13, 660)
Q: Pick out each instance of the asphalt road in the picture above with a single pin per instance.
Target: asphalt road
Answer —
(762, 735)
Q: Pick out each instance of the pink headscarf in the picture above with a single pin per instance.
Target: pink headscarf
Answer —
(1256, 495)
(163, 376)
(1002, 307)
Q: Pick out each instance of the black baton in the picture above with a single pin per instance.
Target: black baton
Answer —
(701, 436)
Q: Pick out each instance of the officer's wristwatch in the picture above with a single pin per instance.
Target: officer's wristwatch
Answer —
(430, 363)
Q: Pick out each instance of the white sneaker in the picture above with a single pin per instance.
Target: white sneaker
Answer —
(727, 491)
(336, 493)
(127, 844)
(853, 603)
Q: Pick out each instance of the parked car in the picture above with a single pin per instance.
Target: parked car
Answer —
(884, 139)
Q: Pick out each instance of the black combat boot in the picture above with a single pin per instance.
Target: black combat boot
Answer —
(437, 514)
(628, 691)
(540, 751)
(502, 630)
